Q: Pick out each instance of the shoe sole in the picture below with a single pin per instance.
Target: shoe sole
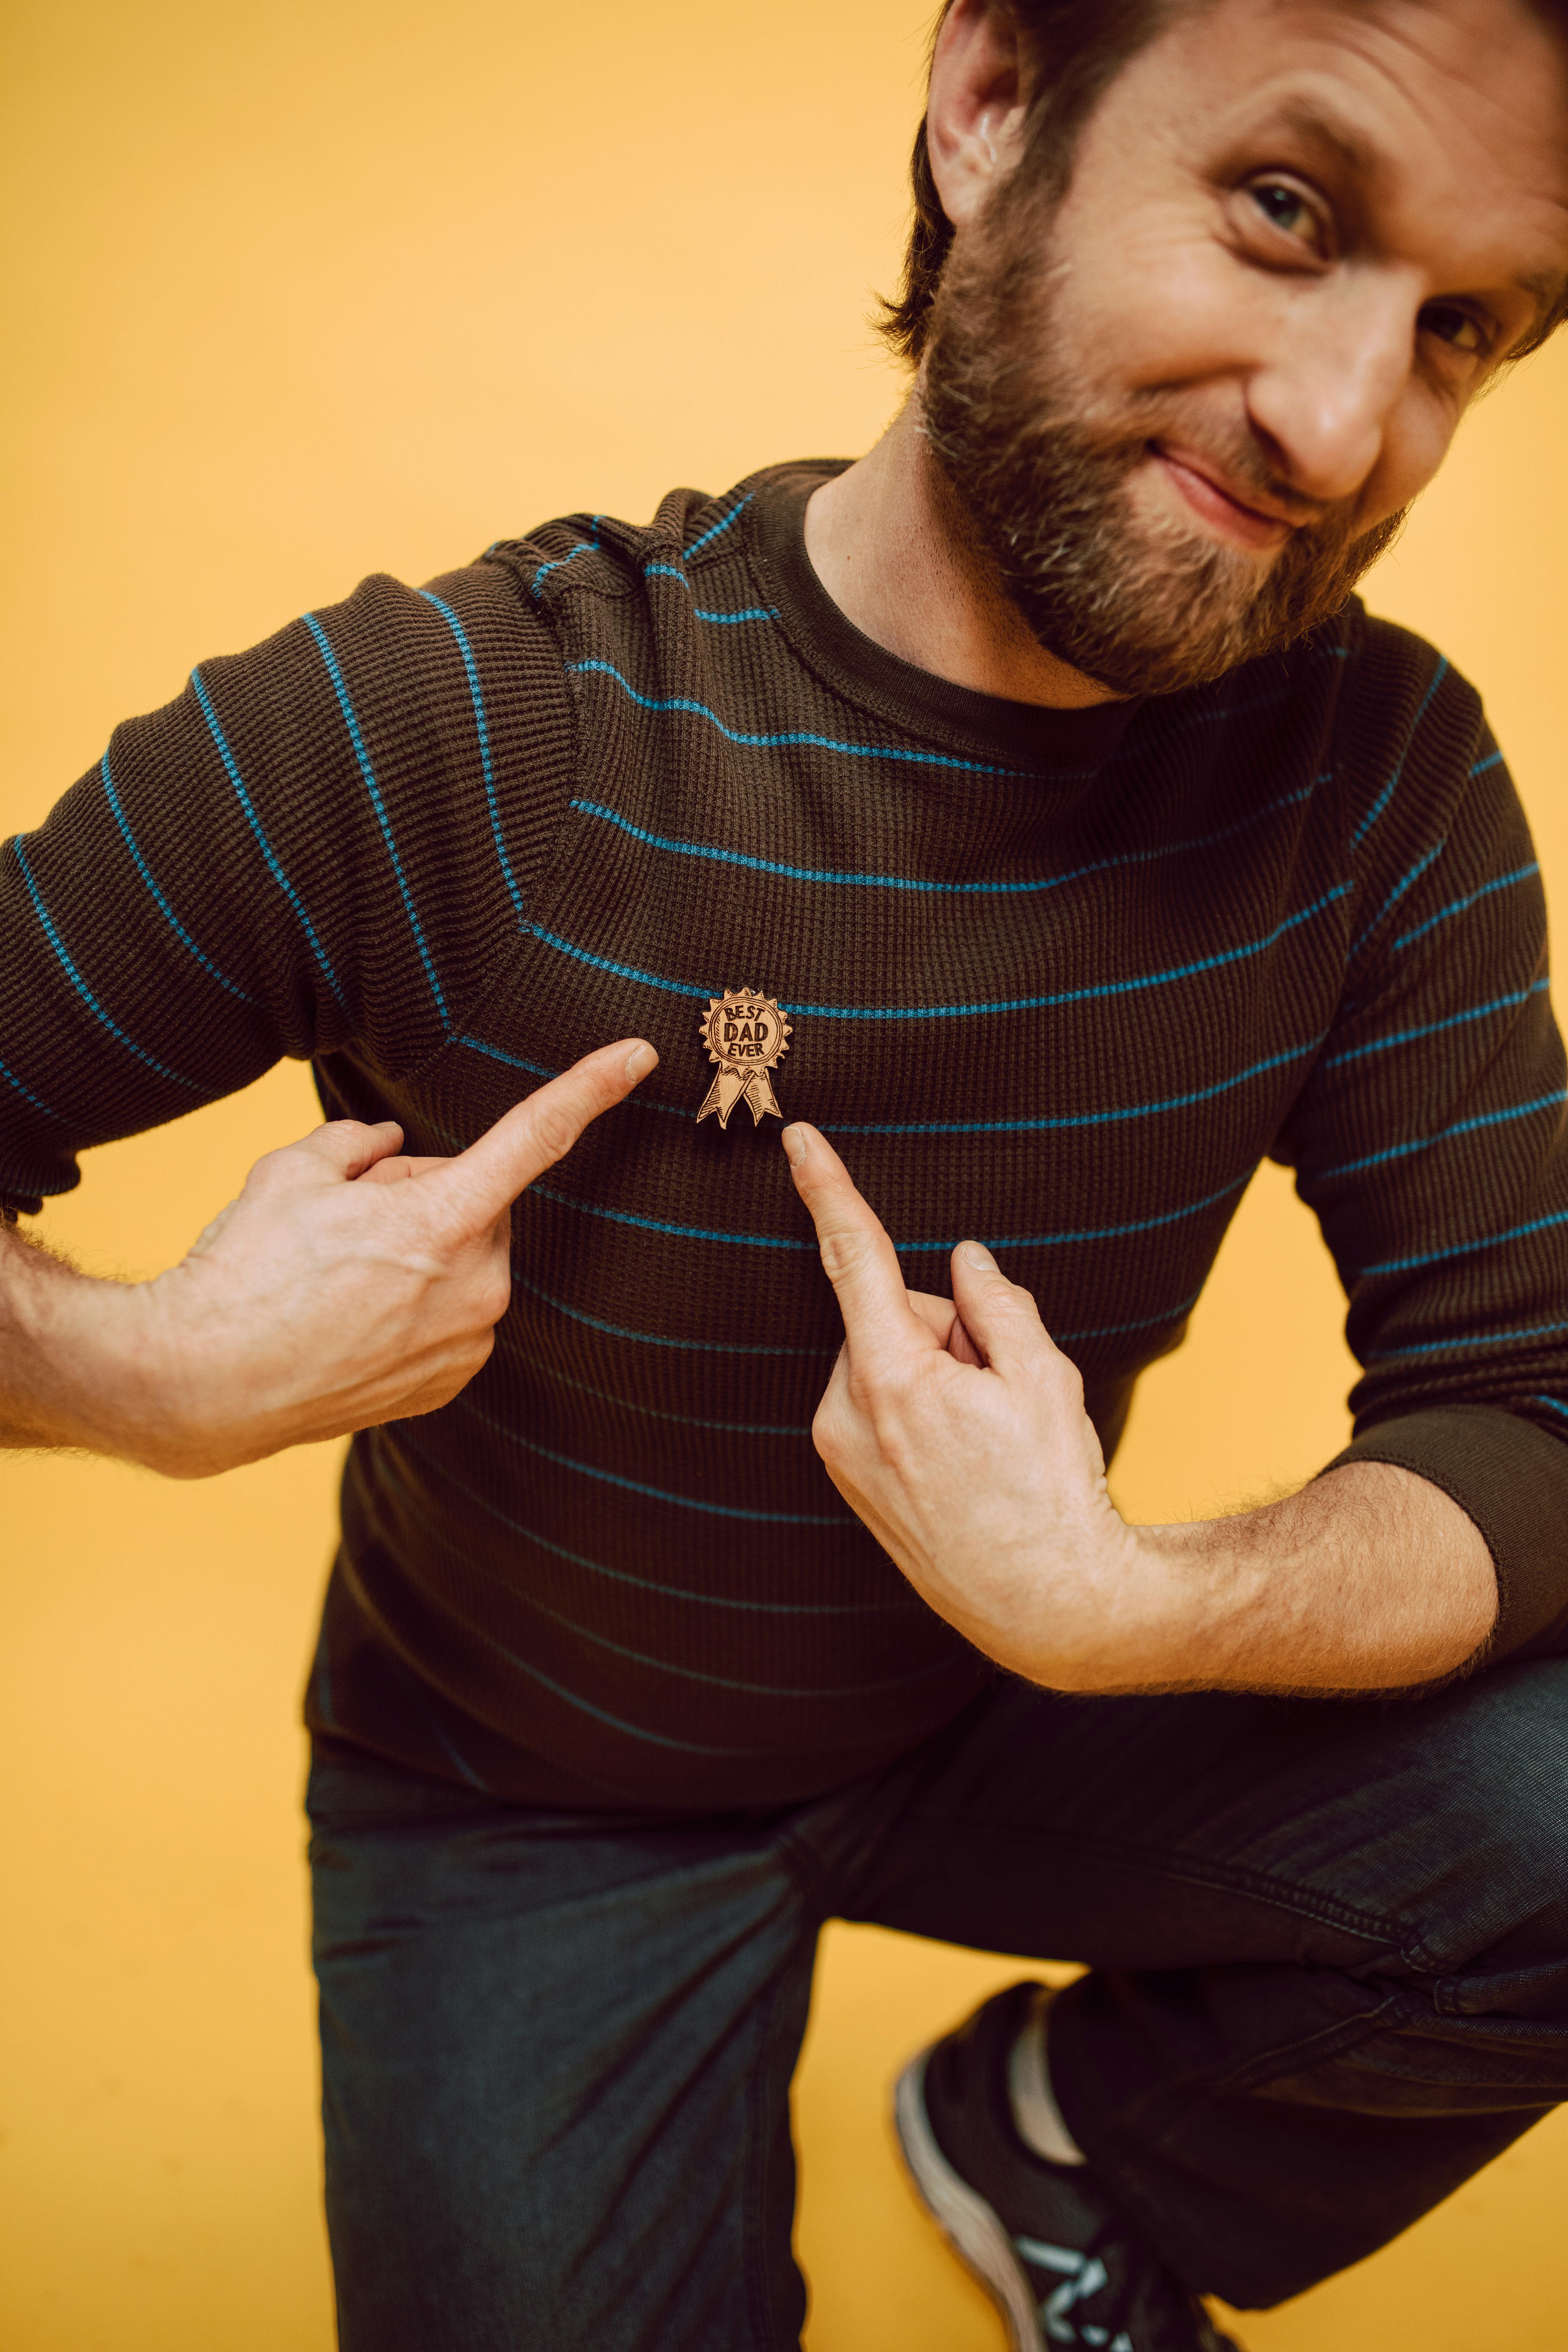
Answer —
(971, 2227)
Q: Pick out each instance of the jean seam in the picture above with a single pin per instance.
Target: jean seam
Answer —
(1326, 2042)
(808, 1873)
(756, 2251)
(1327, 1909)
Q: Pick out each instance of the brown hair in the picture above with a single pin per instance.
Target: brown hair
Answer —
(1077, 47)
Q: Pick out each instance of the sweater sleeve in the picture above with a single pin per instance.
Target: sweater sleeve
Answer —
(1432, 1142)
(322, 844)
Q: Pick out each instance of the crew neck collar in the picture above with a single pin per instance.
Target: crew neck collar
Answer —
(1025, 735)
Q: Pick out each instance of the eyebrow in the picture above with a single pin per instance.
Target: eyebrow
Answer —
(1549, 292)
(1322, 128)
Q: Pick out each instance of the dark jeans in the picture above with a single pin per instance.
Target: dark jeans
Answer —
(1329, 1946)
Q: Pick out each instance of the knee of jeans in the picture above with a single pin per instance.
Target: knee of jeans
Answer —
(1500, 1896)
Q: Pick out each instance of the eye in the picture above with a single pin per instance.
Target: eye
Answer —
(1456, 328)
(1287, 209)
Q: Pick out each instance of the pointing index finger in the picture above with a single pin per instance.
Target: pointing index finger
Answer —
(534, 1134)
(856, 1255)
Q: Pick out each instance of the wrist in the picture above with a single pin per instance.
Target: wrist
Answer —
(1205, 1579)
(1162, 1608)
(83, 1360)
(1129, 1612)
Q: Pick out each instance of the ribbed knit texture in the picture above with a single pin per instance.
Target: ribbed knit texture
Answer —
(1060, 980)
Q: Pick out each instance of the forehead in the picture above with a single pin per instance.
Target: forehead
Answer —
(1452, 111)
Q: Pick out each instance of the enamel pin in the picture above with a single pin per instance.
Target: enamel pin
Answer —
(746, 1034)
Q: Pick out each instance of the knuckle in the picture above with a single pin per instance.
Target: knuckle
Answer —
(1063, 1381)
(844, 1253)
(273, 1164)
(826, 1435)
(897, 1445)
(555, 1130)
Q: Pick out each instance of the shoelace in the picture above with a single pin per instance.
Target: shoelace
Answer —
(1084, 2277)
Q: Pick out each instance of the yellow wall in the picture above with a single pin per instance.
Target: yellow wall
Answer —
(304, 290)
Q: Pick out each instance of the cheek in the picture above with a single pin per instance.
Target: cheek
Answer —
(1415, 441)
(1165, 309)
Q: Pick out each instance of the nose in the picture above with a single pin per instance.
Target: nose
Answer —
(1324, 397)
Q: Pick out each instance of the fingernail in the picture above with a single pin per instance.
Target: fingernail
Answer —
(981, 1259)
(795, 1144)
(640, 1061)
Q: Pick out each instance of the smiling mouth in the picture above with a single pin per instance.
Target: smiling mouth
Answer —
(1254, 528)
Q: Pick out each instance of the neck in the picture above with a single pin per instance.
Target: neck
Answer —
(890, 545)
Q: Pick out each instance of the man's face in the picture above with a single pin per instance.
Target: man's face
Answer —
(1186, 404)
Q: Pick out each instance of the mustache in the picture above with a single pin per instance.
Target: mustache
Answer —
(1233, 457)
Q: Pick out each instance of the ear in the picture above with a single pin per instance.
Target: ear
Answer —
(975, 106)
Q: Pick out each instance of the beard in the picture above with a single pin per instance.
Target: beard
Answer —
(1040, 460)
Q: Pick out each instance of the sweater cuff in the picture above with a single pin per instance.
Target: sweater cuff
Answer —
(1512, 1478)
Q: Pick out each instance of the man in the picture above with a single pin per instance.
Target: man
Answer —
(1026, 809)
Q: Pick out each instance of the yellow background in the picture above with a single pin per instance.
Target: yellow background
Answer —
(293, 293)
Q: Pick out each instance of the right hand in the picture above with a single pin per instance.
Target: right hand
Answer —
(347, 1285)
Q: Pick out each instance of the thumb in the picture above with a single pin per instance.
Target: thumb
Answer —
(334, 1154)
(999, 1316)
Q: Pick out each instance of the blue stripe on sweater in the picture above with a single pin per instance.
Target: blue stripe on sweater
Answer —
(1460, 906)
(1466, 1248)
(658, 1339)
(28, 1095)
(858, 751)
(905, 1248)
(1085, 1118)
(1443, 1135)
(1450, 1346)
(583, 547)
(477, 697)
(675, 702)
(650, 1412)
(603, 1640)
(540, 1070)
(662, 1226)
(937, 890)
(721, 526)
(157, 894)
(273, 866)
(1142, 1323)
(686, 1502)
(84, 991)
(1398, 893)
(1432, 1028)
(729, 1682)
(374, 788)
(1381, 802)
(673, 572)
(937, 1126)
(536, 1674)
(962, 1012)
(895, 1604)
(1555, 1402)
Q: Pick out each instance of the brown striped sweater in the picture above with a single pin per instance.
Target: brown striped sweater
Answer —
(1057, 979)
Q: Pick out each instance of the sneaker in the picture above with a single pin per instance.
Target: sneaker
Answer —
(1043, 2238)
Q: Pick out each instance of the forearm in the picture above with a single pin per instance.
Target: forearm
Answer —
(73, 1359)
(1369, 1579)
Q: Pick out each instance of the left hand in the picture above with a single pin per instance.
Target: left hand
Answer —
(957, 1431)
